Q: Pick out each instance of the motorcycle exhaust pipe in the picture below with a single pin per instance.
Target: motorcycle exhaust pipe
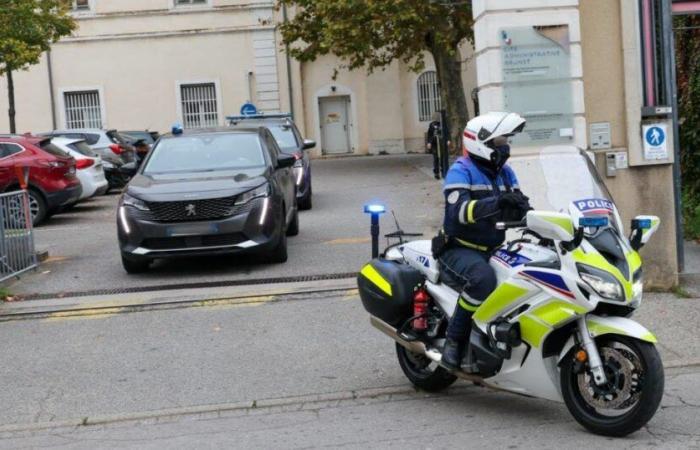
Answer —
(413, 346)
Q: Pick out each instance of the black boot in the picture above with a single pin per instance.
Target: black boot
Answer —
(452, 353)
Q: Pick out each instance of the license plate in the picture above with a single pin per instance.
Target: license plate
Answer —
(193, 229)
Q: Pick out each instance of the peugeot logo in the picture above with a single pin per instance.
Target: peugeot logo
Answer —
(190, 209)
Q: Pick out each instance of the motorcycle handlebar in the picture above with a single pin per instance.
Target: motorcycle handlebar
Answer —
(507, 225)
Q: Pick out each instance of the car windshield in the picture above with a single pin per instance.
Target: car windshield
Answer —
(206, 153)
(285, 137)
(136, 135)
(82, 148)
(52, 149)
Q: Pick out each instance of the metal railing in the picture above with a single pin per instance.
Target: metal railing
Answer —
(17, 252)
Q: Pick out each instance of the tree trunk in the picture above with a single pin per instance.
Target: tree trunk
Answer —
(449, 71)
(11, 98)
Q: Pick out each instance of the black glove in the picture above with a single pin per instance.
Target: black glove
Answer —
(514, 206)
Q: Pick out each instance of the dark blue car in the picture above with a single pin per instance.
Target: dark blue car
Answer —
(290, 142)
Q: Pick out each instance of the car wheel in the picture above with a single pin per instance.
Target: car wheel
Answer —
(293, 228)
(132, 265)
(37, 207)
(279, 253)
(305, 204)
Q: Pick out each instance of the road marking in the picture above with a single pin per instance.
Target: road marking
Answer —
(351, 294)
(362, 240)
(96, 313)
(228, 303)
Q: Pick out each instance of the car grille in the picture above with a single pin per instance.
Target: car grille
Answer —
(184, 242)
(192, 211)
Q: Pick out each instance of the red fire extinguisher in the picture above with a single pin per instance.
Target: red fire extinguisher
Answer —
(420, 308)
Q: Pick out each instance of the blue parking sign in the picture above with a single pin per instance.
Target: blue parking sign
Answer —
(248, 109)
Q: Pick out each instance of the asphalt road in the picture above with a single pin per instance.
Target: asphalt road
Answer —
(293, 373)
(334, 236)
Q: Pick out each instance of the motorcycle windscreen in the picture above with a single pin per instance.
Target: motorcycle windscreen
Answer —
(557, 176)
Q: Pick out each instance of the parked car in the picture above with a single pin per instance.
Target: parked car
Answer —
(290, 142)
(88, 165)
(212, 191)
(113, 148)
(149, 136)
(53, 183)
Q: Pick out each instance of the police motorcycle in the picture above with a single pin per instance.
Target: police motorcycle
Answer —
(557, 326)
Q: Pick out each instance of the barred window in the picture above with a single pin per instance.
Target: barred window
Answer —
(428, 96)
(199, 108)
(83, 109)
(81, 5)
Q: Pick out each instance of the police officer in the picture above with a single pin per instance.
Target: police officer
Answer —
(480, 190)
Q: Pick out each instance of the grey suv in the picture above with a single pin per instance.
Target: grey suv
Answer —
(290, 142)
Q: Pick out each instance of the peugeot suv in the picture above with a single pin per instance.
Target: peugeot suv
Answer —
(204, 192)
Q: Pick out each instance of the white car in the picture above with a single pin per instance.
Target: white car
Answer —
(88, 166)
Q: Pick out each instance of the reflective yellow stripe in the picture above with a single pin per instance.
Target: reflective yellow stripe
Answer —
(470, 211)
(470, 245)
(556, 312)
(463, 303)
(532, 331)
(375, 277)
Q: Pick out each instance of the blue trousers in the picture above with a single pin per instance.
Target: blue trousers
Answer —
(467, 271)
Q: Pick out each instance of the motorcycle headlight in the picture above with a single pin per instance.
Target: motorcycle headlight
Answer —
(603, 283)
(129, 200)
(258, 192)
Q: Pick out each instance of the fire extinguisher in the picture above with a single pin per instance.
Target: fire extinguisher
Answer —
(420, 309)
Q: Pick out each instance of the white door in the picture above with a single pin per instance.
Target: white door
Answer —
(334, 124)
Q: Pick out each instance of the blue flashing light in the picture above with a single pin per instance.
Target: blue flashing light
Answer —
(375, 208)
(177, 129)
(643, 224)
(593, 222)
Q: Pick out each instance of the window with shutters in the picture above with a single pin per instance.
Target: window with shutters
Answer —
(199, 105)
(83, 109)
(428, 96)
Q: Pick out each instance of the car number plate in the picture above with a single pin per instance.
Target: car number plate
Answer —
(193, 229)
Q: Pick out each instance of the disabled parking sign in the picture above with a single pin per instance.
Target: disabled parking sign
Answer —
(655, 141)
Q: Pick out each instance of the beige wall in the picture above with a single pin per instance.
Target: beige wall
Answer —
(637, 190)
(136, 51)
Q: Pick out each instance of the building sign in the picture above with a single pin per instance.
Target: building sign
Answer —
(537, 82)
(655, 141)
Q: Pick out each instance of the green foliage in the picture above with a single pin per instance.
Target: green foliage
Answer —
(688, 74)
(28, 28)
(374, 33)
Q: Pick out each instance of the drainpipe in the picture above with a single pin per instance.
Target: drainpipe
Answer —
(671, 88)
(51, 89)
(290, 86)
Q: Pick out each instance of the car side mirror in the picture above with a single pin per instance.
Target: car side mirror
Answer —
(643, 227)
(309, 144)
(129, 169)
(551, 225)
(284, 161)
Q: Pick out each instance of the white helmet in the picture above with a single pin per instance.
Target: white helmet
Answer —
(486, 133)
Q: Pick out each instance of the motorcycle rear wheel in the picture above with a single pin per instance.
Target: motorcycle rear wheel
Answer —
(422, 372)
(630, 398)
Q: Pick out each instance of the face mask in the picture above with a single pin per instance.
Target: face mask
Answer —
(500, 155)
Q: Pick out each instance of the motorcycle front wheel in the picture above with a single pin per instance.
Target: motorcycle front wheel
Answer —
(423, 372)
(631, 396)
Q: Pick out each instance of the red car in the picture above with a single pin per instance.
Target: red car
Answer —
(52, 181)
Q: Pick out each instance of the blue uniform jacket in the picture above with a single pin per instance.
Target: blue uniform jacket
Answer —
(471, 203)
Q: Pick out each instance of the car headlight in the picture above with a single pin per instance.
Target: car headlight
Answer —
(603, 283)
(128, 200)
(258, 192)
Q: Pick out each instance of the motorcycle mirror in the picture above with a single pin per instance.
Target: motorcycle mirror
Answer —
(643, 227)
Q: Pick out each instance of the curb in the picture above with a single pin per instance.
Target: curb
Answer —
(152, 300)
